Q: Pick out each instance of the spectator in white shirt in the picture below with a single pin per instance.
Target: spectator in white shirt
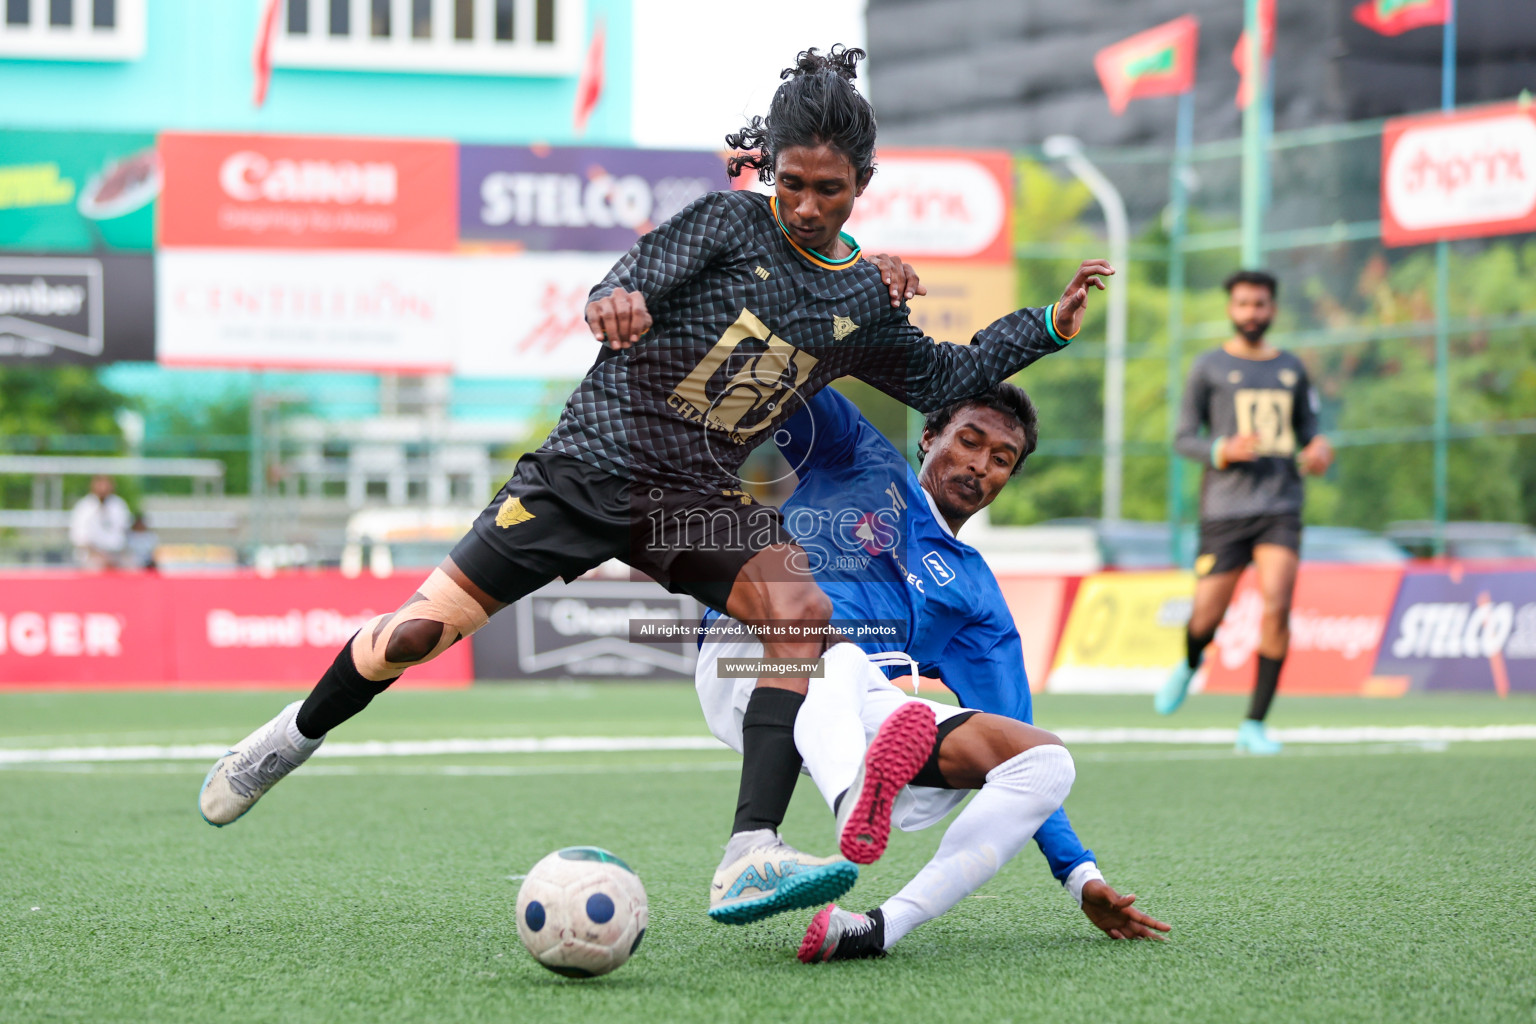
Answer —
(98, 527)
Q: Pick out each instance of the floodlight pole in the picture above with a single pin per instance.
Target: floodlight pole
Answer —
(1070, 152)
(1254, 142)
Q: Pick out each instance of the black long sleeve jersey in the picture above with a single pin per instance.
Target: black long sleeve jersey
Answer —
(1273, 399)
(747, 325)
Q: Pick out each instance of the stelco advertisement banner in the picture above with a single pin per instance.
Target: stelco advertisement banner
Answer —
(1463, 175)
(1338, 617)
(308, 192)
(78, 191)
(598, 200)
(76, 309)
(113, 629)
(1463, 631)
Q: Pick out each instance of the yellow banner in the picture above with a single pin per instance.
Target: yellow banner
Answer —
(962, 298)
(1125, 631)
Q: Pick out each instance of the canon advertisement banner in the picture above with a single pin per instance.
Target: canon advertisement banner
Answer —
(582, 629)
(937, 204)
(303, 192)
(120, 630)
(583, 199)
(76, 309)
(1468, 631)
(1465, 175)
(1338, 617)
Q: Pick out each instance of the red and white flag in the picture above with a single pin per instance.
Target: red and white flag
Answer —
(1266, 51)
(589, 87)
(261, 56)
(1394, 17)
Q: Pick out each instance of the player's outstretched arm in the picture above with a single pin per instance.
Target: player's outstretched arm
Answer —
(1113, 914)
(900, 360)
(1074, 300)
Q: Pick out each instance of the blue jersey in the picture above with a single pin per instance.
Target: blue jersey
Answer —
(885, 558)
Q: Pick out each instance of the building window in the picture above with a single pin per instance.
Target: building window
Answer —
(476, 37)
(73, 29)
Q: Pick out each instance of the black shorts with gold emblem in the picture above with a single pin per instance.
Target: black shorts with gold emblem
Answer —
(559, 517)
(1227, 544)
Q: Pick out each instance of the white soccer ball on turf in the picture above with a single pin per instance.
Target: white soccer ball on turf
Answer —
(581, 912)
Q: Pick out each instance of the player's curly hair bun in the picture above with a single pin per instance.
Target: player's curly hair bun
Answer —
(816, 105)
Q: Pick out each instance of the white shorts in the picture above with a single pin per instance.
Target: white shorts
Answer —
(725, 705)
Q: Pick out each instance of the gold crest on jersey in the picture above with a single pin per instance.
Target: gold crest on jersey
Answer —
(1288, 378)
(511, 513)
(842, 327)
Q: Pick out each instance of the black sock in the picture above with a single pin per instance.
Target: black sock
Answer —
(1194, 645)
(1264, 687)
(770, 762)
(341, 693)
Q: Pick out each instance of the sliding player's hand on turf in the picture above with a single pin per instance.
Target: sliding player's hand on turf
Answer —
(1316, 457)
(619, 318)
(1074, 301)
(1113, 914)
(899, 277)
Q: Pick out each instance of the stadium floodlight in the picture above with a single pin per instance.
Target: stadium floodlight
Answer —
(1070, 152)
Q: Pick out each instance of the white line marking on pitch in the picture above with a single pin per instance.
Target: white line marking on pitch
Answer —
(623, 744)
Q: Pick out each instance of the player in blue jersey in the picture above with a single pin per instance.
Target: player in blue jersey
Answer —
(881, 542)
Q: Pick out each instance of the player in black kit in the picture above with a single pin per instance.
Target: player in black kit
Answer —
(1260, 419)
(717, 326)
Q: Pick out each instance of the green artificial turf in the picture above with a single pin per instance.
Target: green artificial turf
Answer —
(1371, 882)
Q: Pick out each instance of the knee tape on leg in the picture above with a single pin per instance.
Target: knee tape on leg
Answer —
(439, 600)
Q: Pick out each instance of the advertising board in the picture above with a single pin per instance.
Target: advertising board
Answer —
(937, 204)
(599, 200)
(583, 630)
(76, 309)
(308, 192)
(1125, 631)
(1460, 175)
(1338, 617)
(78, 191)
(119, 629)
(1463, 631)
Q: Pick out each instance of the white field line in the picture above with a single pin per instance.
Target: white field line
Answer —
(620, 744)
(379, 767)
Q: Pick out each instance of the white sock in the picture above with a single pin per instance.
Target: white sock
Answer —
(998, 822)
(828, 729)
(299, 741)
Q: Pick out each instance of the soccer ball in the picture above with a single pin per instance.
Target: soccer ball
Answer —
(581, 912)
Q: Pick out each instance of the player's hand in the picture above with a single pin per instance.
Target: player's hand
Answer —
(899, 277)
(619, 318)
(1113, 914)
(1074, 301)
(1242, 448)
(1316, 457)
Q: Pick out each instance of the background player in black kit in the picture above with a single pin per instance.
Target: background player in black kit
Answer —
(1259, 417)
(717, 325)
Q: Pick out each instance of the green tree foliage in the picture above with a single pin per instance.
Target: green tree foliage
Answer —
(1377, 394)
(41, 404)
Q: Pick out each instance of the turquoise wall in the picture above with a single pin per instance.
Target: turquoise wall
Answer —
(196, 75)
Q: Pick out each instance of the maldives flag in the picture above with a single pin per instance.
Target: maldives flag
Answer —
(589, 87)
(1394, 17)
(1157, 62)
(1266, 49)
(261, 54)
